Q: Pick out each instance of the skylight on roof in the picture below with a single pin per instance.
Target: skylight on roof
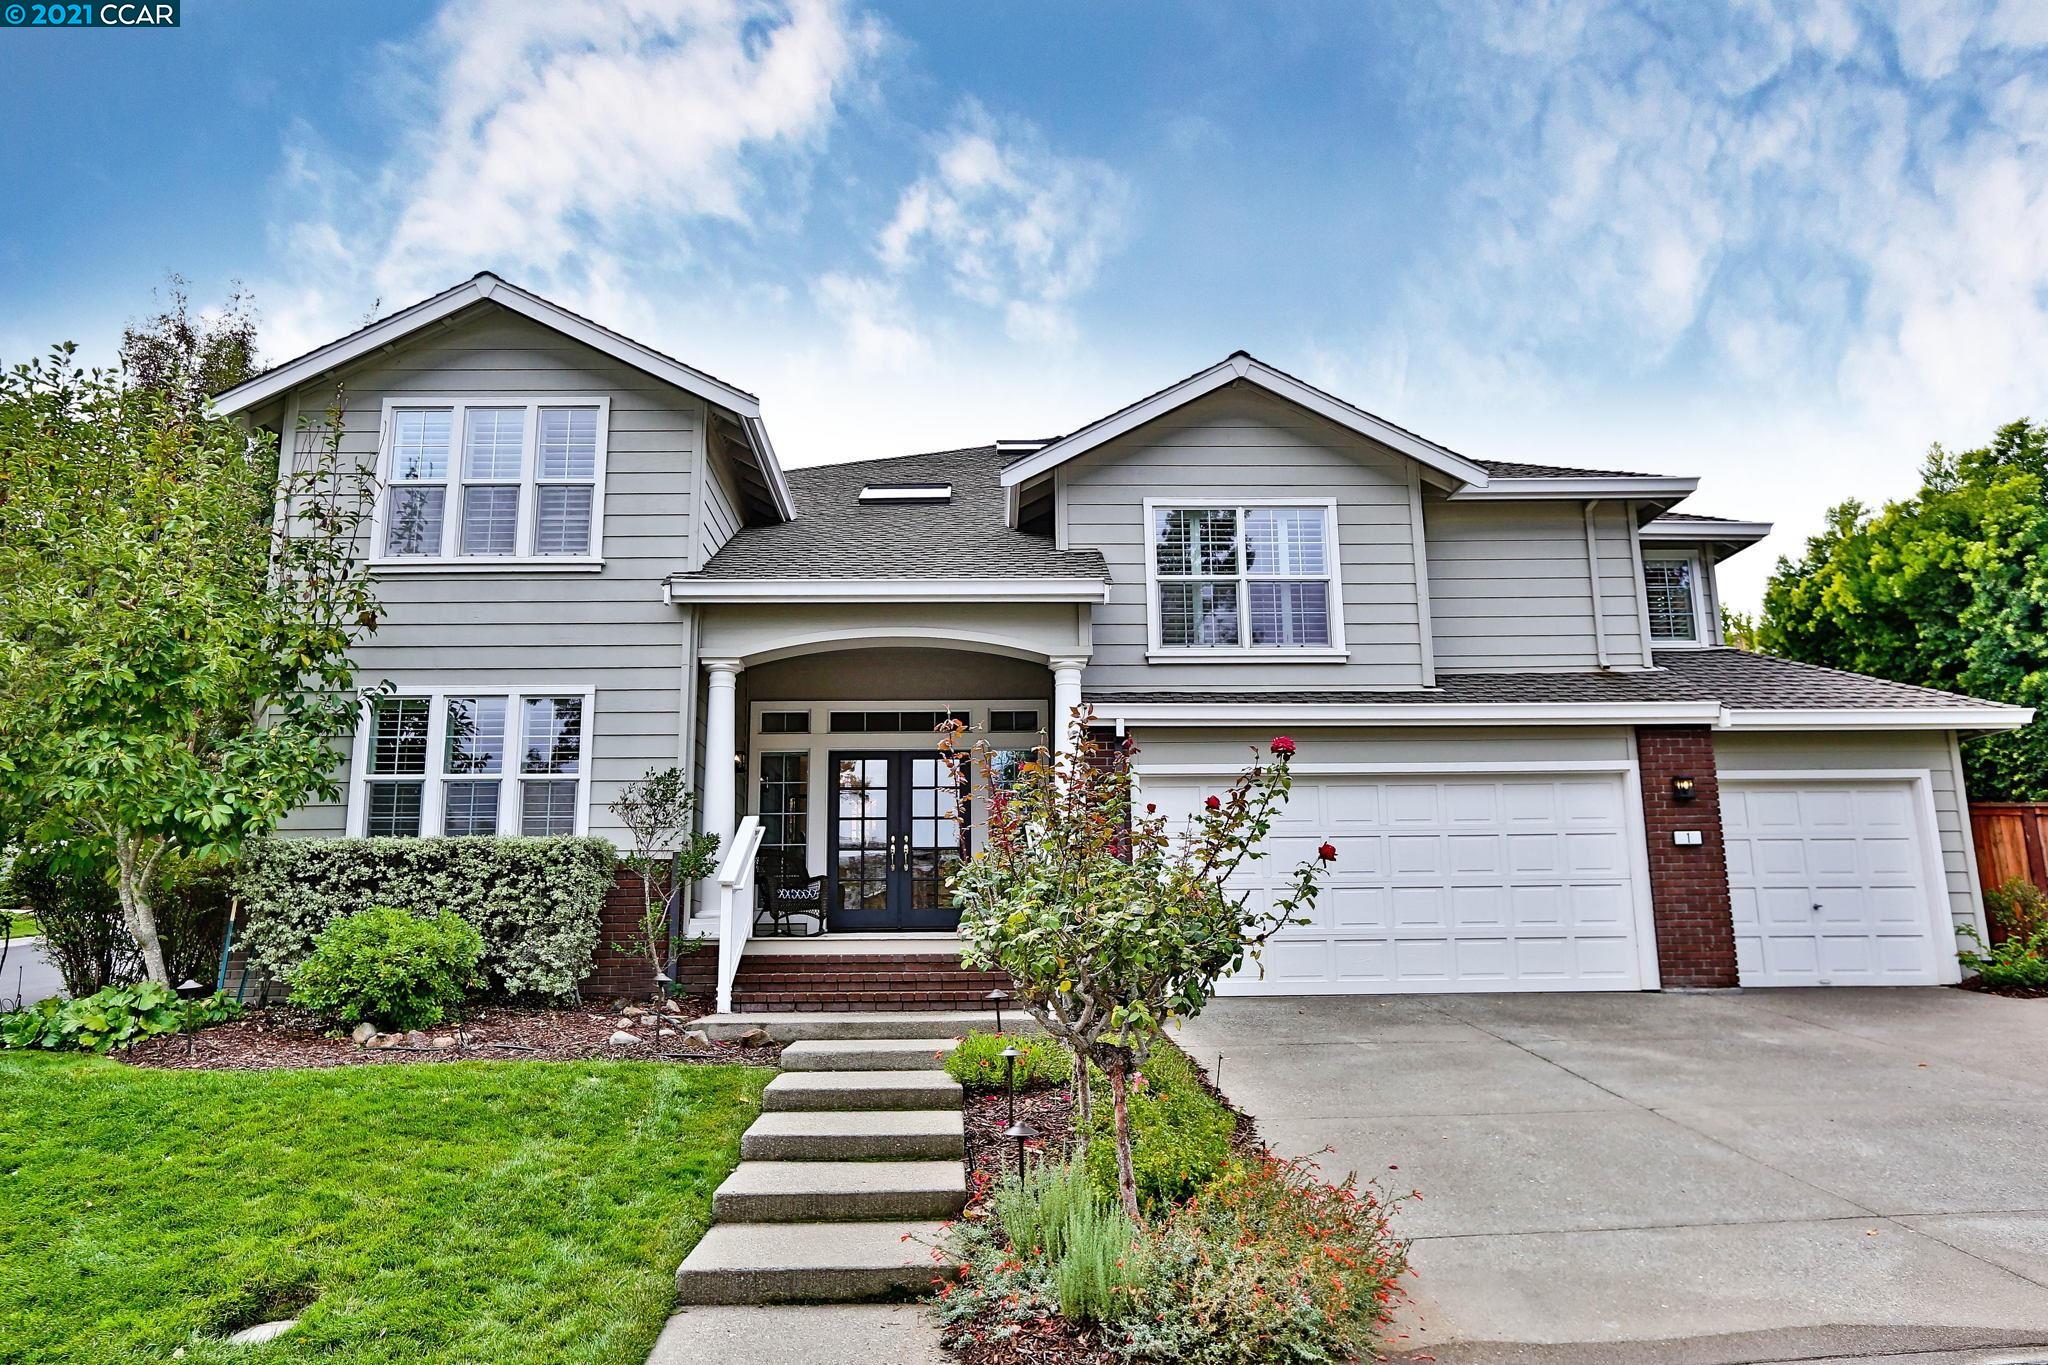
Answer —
(907, 492)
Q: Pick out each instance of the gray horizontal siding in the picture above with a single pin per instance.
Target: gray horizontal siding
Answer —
(607, 630)
(1509, 588)
(1241, 444)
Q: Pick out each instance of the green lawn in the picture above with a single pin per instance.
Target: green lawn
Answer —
(474, 1211)
(25, 926)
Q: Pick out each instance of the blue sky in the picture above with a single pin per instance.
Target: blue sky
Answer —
(1780, 246)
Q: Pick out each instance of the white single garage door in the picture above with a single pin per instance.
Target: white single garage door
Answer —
(1829, 883)
(1468, 883)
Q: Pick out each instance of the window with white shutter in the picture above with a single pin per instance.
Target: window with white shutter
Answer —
(474, 761)
(1253, 578)
(469, 483)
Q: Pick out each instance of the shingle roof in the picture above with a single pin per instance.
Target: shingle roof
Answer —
(1731, 677)
(1695, 516)
(1518, 469)
(835, 535)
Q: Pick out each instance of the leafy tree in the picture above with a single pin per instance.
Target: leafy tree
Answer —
(659, 811)
(1948, 589)
(1110, 921)
(189, 359)
(174, 659)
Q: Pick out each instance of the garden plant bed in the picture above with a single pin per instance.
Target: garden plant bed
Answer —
(1979, 984)
(992, 1316)
(280, 1036)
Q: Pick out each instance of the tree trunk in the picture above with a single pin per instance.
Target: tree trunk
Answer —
(135, 872)
(1126, 1176)
(1084, 1109)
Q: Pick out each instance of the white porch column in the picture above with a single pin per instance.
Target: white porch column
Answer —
(1066, 699)
(717, 802)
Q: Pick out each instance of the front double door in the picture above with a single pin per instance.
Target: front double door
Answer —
(899, 829)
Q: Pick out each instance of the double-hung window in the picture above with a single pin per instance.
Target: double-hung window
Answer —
(476, 482)
(1256, 578)
(474, 761)
(1671, 586)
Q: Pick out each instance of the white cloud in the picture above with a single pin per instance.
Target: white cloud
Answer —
(874, 318)
(566, 143)
(1008, 223)
(1819, 232)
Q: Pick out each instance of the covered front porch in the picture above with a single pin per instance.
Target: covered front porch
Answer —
(839, 818)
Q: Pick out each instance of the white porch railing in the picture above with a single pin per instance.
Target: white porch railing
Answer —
(736, 905)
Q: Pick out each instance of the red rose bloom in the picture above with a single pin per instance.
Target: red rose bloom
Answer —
(1328, 853)
(1284, 747)
(1214, 803)
(1151, 808)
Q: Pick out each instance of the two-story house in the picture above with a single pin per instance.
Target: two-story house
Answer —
(1516, 717)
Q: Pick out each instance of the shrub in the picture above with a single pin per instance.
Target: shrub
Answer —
(1100, 1261)
(113, 1018)
(80, 918)
(2018, 962)
(978, 1062)
(1181, 1133)
(535, 901)
(71, 894)
(389, 967)
(1033, 1208)
(1269, 1264)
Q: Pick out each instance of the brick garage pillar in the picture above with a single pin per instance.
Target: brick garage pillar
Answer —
(1688, 883)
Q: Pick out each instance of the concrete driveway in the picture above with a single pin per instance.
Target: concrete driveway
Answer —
(1642, 1178)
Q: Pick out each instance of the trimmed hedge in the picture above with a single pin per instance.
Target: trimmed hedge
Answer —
(537, 902)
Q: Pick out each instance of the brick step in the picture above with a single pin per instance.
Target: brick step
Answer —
(863, 1003)
(906, 982)
(811, 1263)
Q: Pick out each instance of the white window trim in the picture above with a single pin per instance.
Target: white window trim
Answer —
(522, 557)
(822, 740)
(1702, 626)
(1156, 652)
(435, 778)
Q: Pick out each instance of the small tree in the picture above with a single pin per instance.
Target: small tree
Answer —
(1110, 921)
(659, 811)
(174, 657)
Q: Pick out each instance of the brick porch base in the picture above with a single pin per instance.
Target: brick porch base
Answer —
(785, 982)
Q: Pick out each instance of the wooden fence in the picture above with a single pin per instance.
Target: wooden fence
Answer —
(2012, 841)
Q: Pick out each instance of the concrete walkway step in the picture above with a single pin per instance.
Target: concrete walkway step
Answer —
(813, 1090)
(868, 1054)
(855, 1135)
(797, 1028)
(815, 1262)
(839, 1191)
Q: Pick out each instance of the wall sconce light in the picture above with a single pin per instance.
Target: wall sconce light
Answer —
(1682, 789)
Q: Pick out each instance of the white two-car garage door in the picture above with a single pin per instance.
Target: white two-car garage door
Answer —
(1469, 883)
(1829, 883)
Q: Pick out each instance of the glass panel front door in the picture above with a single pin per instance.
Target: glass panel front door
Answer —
(898, 832)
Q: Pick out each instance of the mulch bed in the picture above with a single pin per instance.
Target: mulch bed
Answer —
(279, 1036)
(1978, 984)
(1051, 1341)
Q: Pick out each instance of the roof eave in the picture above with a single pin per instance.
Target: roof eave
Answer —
(699, 590)
(1575, 487)
(1243, 367)
(1725, 532)
(484, 286)
(1990, 716)
(1265, 711)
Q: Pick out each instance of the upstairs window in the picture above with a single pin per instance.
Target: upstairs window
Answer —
(473, 762)
(513, 479)
(1245, 578)
(1671, 587)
